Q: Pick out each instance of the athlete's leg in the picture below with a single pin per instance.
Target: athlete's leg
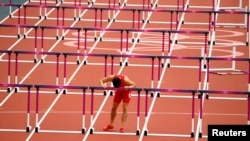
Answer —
(124, 115)
(113, 113)
(116, 101)
(126, 100)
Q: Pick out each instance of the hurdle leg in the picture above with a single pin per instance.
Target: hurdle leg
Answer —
(152, 75)
(163, 47)
(40, 10)
(192, 124)
(169, 47)
(133, 25)
(146, 113)
(83, 111)
(16, 72)
(18, 29)
(121, 48)
(138, 113)
(9, 66)
(37, 106)
(28, 111)
(57, 72)
(207, 84)
(200, 116)
(45, 9)
(10, 9)
(85, 45)
(57, 22)
(35, 55)
(159, 73)
(143, 13)
(24, 29)
(65, 73)
(42, 44)
(248, 24)
(92, 111)
(78, 46)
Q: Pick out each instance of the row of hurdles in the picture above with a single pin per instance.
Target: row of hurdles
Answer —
(203, 63)
(155, 92)
(212, 20)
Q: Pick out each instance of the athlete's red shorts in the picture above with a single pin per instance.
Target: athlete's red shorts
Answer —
(122, 95)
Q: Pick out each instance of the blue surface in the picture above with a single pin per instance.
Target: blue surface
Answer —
(5, 11)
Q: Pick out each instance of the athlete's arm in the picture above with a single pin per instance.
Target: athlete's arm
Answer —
(104, 80)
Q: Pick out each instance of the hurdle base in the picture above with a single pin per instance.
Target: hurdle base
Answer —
(91, 131)
(247, 43)
(205, 66)
(57, 91)
(111, 93)
(24, 36)
(152, 94)
(19, 36)
(83, 130)
(192, 135)
(158, 94)
(16, 89)
(200, 135)
(35, 60)
(209, 42)
(145, 132)
(37, 129)
(162, 65)
(104, 93)
(138, 132)
(28, 129)
(78, 62)
(126, 64)
(120, 63)
(64, 91)
(8, 89)
(168, 65)
(42, 60)
(207, 96)
(85, 62)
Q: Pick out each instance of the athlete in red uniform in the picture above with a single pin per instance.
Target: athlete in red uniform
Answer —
(121, 94)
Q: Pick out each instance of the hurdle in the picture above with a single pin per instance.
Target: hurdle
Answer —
(9, 52)
(83, 88)
(91, 128)
(28, 86)
(205, 33)
(209, 59)
(17, 53)
(169, 90)
(152, 57)
(231, 69)
(235, 12)
(18, 26)
(224, 92)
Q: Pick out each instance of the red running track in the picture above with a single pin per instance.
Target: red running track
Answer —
(169, 116)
